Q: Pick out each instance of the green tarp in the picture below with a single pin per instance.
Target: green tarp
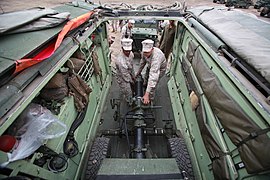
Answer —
(245, 34)
(30, 20)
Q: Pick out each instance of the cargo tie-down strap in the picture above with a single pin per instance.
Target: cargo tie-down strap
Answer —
(47, 52)
(253, 135)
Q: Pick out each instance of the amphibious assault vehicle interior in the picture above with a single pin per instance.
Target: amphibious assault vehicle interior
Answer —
(62, 117)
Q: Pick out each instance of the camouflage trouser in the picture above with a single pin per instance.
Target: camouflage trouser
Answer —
(114, 25)
(125, 90)
(145, 80)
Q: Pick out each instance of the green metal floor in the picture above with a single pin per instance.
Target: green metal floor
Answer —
(157, 145)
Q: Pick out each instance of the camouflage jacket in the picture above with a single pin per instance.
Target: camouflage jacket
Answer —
(157, 65)
(124, 68)
(126, 32)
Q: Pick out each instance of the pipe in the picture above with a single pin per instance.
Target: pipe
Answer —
(139, 143)
(208, 35)
(139, 87)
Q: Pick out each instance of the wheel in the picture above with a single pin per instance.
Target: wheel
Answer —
(99, 151)
(228, 4)
(265, 11)
(178, 150)
(222, 1)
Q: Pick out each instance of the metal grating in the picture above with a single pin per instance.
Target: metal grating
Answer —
(87, 70)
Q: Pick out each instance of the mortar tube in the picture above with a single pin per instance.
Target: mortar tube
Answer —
(139, 143)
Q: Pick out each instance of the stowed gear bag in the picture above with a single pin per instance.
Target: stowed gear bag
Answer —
(75, 64)
(56, 89)
(79, 90)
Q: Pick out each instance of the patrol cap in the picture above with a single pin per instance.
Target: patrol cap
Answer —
(131, 21)
(126, 44)
(147, 45)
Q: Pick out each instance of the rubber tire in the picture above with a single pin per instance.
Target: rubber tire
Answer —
(99, 151)
(228, 4)
(179, 151)
(222, 2)
(265, 11)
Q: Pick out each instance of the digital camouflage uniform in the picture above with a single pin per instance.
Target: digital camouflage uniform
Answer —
(156, 68)
(126, 32)
(124, 74)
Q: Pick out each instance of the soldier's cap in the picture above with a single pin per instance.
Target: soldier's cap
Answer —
(131, 21)
(147, 45)
(126, 44)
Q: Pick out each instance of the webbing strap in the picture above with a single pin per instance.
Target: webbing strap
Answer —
(253, 135)
(22, 64)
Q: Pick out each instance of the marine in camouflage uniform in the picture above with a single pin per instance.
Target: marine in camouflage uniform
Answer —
(126, 31)
(156, 68)
(167, 38)
(124, 69)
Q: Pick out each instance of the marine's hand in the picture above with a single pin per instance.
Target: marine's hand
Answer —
(146, 98)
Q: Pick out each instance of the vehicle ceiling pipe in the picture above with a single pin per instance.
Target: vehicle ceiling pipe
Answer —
(207, 35)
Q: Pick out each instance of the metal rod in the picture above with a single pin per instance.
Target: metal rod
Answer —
(251, 75)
